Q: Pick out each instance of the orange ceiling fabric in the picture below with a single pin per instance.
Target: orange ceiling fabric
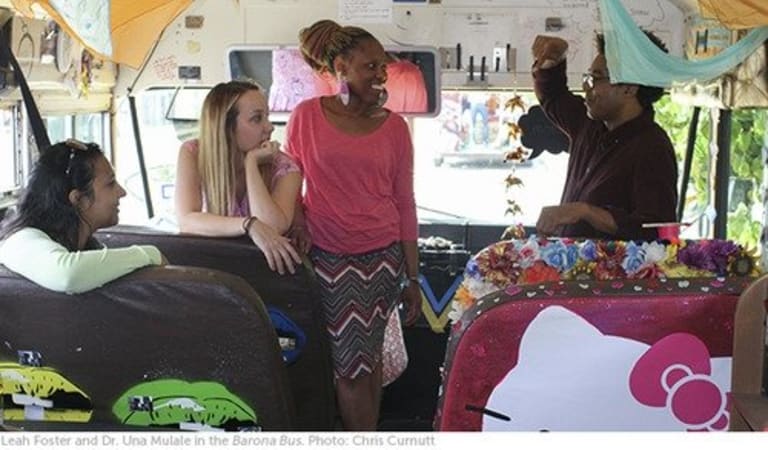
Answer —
(736, 13)
(135, 25)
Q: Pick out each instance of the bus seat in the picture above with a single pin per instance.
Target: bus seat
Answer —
(620, 355)
(164, 347)
(310, 375)
(750, 405)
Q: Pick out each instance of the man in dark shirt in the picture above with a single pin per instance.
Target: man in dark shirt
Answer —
(622, 170)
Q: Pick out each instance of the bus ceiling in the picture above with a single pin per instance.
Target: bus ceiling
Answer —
(188, 42)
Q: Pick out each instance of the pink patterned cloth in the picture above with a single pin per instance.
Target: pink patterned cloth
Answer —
(394, 358)
(282, 164)
(294, 81)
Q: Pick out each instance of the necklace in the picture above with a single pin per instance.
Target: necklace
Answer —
(338, 109)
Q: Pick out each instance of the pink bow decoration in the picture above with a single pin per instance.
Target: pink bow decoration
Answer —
(675, 373)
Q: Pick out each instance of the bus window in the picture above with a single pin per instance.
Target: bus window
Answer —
(10, 161)
(161, 139)
(88, 127)
(460, 167)
(749, 148)
(93, 127)
(168, 117)
(59, 128)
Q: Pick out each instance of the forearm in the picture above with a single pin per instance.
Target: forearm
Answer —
(86, 270)
(411, 256)
(33, 255)
(261, 203)
(548, 69)
(207, 224)
(299, 219)
(548, 83)
(601, 219)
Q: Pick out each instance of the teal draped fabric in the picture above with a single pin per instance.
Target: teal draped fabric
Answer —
(633, 58)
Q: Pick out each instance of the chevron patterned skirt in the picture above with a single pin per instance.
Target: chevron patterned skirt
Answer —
(358, 293)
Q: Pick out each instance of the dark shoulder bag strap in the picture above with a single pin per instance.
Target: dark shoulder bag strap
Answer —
(35, 119)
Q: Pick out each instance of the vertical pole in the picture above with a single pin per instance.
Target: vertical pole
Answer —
(722, 173)
(140, 155)
(691, 145)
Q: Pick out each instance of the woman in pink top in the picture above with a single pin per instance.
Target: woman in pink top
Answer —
(233, 180)
(357, 159)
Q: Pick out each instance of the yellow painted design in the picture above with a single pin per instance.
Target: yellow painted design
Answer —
(41, 383)
(436, 323)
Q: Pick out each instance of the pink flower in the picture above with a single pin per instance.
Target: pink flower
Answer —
(648, 271)
(529, 253)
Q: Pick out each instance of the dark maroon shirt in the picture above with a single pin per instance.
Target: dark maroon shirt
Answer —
(630, 171)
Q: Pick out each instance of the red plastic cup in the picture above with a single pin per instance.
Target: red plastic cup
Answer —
(669, 231)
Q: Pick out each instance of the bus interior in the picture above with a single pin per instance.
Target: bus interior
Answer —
(486, 161)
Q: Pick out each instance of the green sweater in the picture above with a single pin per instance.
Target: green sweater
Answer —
(33, 255)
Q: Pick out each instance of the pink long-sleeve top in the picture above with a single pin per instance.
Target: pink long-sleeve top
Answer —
(359, 188)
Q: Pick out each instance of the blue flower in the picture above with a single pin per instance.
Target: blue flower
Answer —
(472, 269)
(573, 256)
(558, 255)
(634, 258)
(588, 251)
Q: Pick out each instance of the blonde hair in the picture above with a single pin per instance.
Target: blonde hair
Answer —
(217, 150)
(324, 40)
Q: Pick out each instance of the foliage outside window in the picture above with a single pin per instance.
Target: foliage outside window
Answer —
(675, 119)
(745, 208)
(747, 140)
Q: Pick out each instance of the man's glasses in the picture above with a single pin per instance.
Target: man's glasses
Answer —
(73, 145)
(589, 80)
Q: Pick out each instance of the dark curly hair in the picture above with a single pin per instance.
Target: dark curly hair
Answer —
(646, 95)
(45, 202)
(324, 40)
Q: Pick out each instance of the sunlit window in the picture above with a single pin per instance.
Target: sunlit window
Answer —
(460, 167)
(167, 118)
(92, 128)
(87, 127)
(9, 158)
(59, 128)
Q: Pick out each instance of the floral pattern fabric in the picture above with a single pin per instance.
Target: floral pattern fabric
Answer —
(534, 261)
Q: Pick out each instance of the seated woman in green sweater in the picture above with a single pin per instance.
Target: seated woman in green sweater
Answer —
(72, 192)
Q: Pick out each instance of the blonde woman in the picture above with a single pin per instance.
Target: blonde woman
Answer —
(233, 180)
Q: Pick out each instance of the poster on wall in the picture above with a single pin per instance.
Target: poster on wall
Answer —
(365, 11)
(706, 38)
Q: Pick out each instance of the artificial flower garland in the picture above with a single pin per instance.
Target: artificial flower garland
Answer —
(535, 260)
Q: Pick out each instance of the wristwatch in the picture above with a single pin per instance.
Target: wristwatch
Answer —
(407, 281)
